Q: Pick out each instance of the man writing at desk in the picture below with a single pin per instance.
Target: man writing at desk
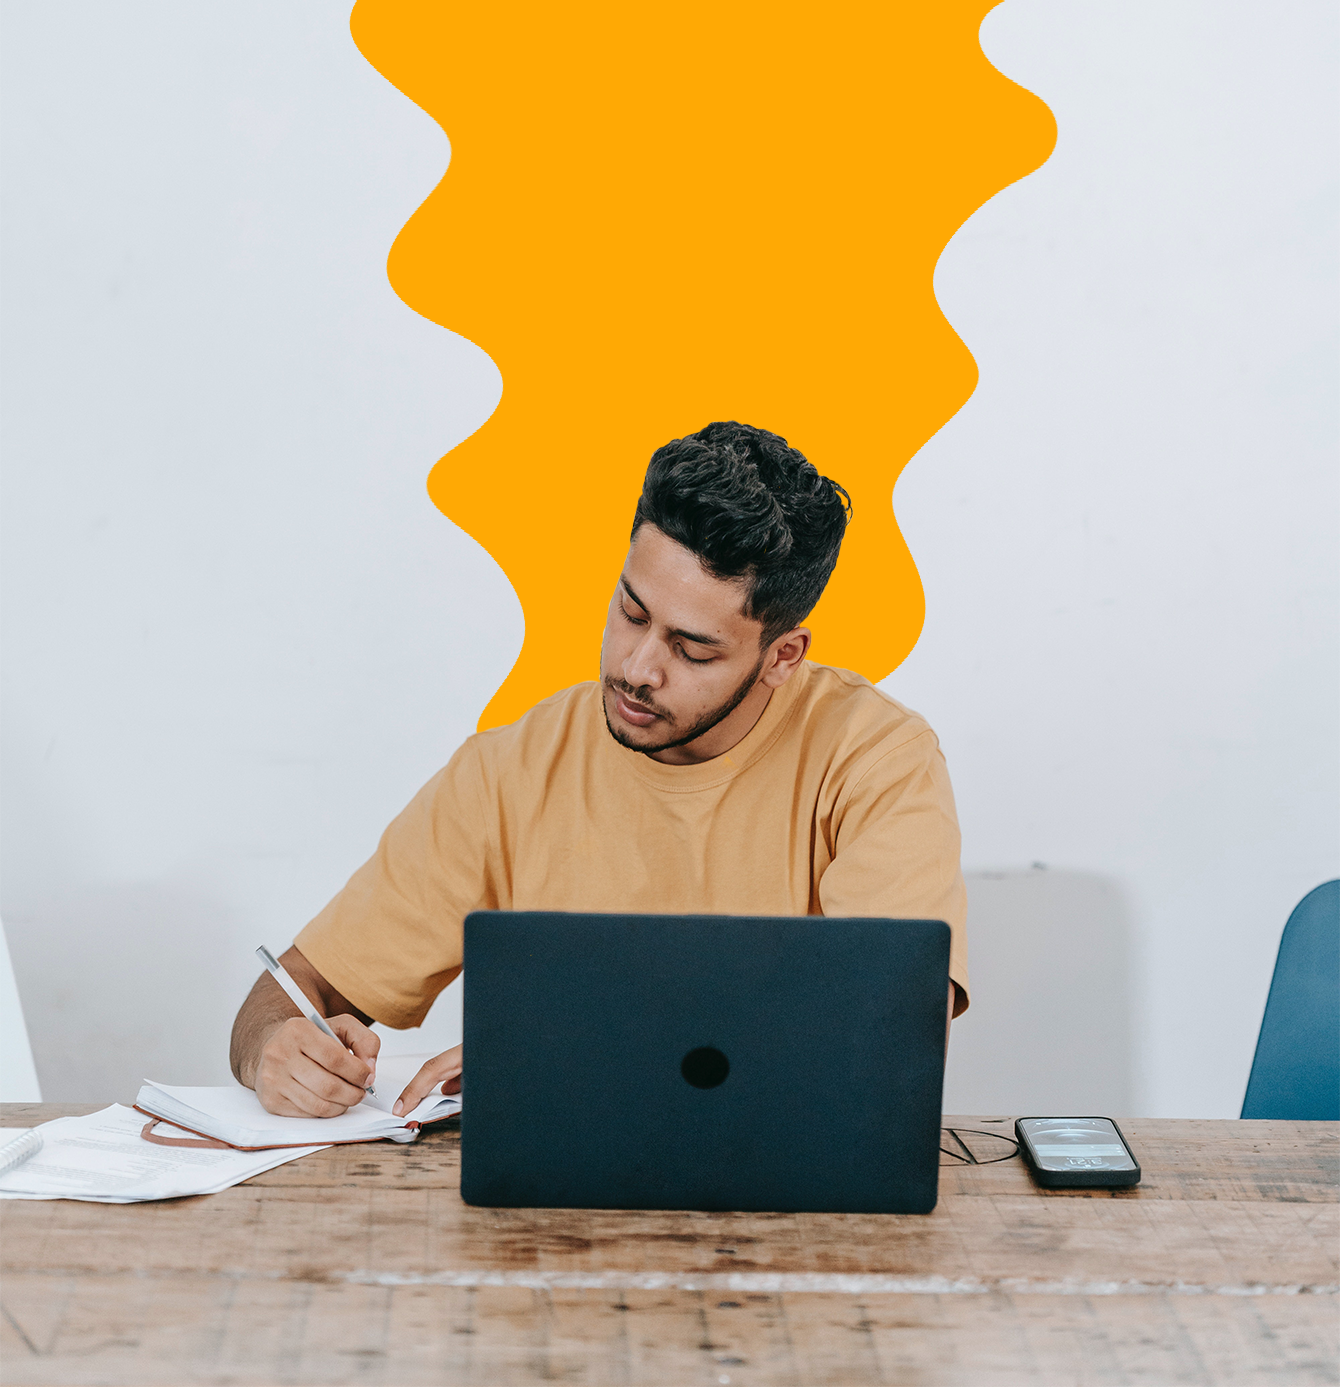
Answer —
(712, 770)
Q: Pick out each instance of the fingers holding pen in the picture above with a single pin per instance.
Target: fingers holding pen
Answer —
(327, 1069)
(311, 1091)
(304, 1073)
(320, 1089)
(361, 1044)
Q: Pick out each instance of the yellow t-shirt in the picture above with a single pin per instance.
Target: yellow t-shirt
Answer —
(836, 803)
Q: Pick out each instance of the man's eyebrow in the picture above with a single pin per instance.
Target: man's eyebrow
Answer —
(683, 635)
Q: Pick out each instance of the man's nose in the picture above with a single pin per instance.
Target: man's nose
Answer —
(645, 667)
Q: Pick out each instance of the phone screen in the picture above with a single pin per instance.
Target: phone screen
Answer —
(1076, 1143)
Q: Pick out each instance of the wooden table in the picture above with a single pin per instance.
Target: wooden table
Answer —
(361, 1265)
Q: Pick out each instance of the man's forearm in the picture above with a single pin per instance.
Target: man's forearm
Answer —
(265, 1008)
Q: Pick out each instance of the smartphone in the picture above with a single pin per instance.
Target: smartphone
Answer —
(1076, 1152)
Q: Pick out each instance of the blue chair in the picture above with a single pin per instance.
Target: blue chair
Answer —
(1296, 1072)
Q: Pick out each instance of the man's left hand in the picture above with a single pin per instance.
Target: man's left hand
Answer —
(442, 1071)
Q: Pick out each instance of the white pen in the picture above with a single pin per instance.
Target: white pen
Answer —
(298, 997)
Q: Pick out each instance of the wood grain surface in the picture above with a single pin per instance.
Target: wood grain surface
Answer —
(361, 1265)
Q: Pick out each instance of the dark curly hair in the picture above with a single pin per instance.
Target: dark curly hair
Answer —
(749, 505)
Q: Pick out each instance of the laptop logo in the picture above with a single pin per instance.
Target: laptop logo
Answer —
(705, 1067)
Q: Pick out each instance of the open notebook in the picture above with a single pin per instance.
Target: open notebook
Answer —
(234, 1115)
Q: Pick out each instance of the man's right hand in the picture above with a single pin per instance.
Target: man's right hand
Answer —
(302, 1073)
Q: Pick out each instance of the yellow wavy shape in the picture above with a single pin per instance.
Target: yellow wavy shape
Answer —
(657, 216)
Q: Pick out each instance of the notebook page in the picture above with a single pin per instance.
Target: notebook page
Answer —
(393, 1073)
(235, 1115)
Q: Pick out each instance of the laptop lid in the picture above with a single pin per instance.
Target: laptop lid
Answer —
(703, 1062)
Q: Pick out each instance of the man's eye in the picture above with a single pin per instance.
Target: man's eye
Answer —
(636, 620)
(691, 660)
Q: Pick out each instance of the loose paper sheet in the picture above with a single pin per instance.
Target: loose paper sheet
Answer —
(102, 1158)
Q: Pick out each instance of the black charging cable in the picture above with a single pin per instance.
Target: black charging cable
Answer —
(969, 1156)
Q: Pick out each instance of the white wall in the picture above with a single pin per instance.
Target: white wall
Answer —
(238, 635)
(1128, 539)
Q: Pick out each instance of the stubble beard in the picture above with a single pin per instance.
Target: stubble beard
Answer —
(699, 728)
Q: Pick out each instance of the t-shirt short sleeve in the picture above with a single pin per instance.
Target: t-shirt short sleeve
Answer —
(896, 848)
(391, 940)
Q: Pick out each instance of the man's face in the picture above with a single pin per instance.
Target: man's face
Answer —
(679, 656)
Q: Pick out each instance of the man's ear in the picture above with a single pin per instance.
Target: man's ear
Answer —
(784, 657)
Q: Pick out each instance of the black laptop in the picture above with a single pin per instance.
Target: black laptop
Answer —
(703, 1062)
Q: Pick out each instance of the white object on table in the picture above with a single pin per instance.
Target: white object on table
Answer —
(18, 1074)
(23, 1143)
(102, 1158)
(234, 1114)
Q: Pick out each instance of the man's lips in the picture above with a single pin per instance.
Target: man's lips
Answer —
(633, 712)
